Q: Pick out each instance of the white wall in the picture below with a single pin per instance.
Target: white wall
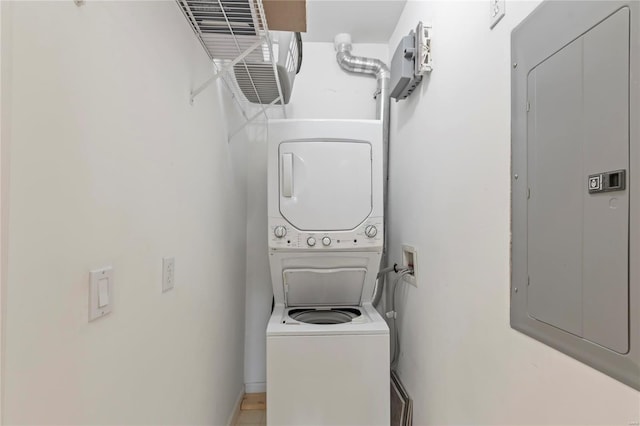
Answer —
(321, 90)
(110, 165)
(449, 197)
(259, 293)
(3, 185)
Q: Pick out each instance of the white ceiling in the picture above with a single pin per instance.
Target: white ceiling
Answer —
(368, 21)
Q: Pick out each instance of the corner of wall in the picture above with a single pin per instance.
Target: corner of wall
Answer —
(235, 412)
(5, 133)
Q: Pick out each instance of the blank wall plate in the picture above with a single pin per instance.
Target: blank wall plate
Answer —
(410, 258)
(168, 273)
(496, 12)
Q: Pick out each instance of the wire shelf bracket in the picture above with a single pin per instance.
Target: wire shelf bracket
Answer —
(250, 119)
(224, 69)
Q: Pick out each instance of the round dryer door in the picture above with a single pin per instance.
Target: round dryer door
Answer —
(325, 185)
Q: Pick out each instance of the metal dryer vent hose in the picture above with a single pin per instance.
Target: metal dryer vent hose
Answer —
(377, 68)
(362, 65)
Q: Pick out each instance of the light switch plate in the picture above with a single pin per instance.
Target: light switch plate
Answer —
(168, 273)
(100, 292)
(496, 12)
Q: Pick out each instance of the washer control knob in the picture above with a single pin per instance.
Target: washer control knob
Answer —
(280, 231)
(371, 231)
(326, 241)
(311, 241)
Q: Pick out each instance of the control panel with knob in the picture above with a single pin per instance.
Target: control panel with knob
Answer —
(371, 231)
(280, 231)
(367, 236)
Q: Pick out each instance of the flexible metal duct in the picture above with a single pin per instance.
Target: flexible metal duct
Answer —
(377, 68)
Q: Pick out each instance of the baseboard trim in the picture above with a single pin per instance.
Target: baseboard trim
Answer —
(257, 387)
(233, 418)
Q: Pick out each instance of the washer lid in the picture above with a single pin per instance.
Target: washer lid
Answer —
(326, 287)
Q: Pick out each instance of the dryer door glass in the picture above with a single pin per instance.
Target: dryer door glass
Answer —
(325, 185)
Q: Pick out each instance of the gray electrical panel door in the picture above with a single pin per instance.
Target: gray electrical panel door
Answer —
(574, 148)
(578, 241)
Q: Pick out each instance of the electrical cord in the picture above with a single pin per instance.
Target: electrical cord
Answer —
(393, 314)
(381, 274)
(393, 268)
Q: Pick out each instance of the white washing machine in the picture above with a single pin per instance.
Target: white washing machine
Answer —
(327, 346)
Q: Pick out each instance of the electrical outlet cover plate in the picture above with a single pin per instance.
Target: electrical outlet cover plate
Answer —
(168, 273)
(410, 257)
(496, 12)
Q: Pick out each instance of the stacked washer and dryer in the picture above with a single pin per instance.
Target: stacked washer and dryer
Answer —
(327, 346)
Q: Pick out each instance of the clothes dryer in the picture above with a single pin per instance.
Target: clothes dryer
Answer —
(327, 346)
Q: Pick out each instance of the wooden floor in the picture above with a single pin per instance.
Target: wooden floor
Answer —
(253, 411)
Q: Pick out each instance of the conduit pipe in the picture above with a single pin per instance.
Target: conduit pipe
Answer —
(377, 68)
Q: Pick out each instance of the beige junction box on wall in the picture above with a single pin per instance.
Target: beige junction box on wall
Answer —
(410, 260)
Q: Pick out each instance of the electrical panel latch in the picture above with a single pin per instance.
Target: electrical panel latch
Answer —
(607, 182)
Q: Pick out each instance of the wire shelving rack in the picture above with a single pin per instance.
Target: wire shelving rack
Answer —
(234, 33)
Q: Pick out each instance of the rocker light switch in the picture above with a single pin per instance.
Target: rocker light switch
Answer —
(100, 287)
(103, 292)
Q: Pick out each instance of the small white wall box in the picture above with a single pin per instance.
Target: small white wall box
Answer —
(100, 292)
(496, 12)
(410, 259)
